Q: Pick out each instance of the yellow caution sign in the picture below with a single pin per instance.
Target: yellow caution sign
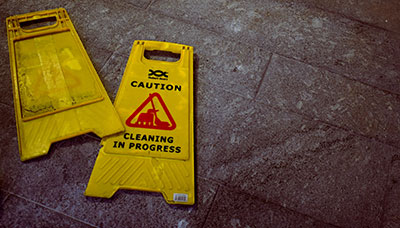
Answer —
(156, 152)
(57, 92)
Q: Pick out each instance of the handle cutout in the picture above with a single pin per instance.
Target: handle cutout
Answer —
(166, 56)
(38, 23)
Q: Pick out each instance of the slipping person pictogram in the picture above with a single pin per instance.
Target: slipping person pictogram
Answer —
(149, 119)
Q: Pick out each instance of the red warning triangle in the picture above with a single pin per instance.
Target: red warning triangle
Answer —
(149, 118)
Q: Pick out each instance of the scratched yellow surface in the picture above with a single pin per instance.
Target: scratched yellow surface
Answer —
(50, 75)
(57, 92)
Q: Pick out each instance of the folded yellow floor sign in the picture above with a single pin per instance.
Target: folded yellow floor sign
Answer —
(156, 152)
(57, 92)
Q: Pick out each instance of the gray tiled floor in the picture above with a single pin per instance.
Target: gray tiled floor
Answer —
(33, 215)
(383, 14)
(297, 116)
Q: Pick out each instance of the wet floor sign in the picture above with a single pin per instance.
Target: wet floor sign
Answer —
(57, 92)
(155, 153)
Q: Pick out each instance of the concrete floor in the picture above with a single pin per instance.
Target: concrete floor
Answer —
(297, 116)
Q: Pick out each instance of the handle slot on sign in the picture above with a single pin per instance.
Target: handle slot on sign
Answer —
(167, 53)
(166, 56)
(41, 23)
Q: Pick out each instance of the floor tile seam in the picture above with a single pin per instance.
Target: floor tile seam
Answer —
(312, 6)
(145, 8)
(204, 178)
(388, 189)
(48, 208)
(313, 118)
(343, 75)
(384, 201)
(6, 105)
(149, 4)
(118, 53)
(343, 15)
(106, 62)
(5, 198)
(211, 207)
(240, 191)
(94, 137)
(263, 75)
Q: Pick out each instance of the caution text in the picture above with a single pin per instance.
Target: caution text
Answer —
(159, 86)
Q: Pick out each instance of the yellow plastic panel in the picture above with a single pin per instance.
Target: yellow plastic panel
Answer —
(57, 92)
(156, 151)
